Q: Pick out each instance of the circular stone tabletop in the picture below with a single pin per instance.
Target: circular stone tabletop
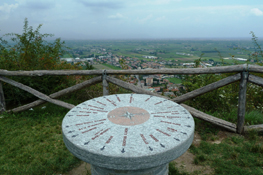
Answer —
(128, 131)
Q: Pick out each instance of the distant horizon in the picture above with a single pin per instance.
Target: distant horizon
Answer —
(152, 39)
(193, 38)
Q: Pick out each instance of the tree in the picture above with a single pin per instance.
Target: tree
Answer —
(31, 52)
(88, 66)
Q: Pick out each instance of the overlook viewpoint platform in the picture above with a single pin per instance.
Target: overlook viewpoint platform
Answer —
(244, 74)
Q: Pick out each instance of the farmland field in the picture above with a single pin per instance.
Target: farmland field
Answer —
(166, 50)
(175, 80)
(105, 66)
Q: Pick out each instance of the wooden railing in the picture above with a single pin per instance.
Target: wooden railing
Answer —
(243, 76)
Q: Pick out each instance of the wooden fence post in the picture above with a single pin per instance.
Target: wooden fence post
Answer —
(139, 81)
(2, 99)
(105, 84)
(242, 102)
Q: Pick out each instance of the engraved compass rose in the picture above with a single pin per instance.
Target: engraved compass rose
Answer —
(128, 115)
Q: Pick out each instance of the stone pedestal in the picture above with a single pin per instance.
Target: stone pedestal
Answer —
(159, 170)
(128, 134)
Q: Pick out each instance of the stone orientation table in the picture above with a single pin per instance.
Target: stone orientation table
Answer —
(128, 133)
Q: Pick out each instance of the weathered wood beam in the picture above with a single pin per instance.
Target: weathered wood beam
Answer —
(255, 68)
(59, 94)
(255, 79)
(139, 81)
(242, 102)
(105, 84)
(207, 88)
(258, 128)
(216, 121)
(186, 71)
(196, 113)
(50, 72)
(36, 93)
(2, 99)
(131, 87)
(76, 87)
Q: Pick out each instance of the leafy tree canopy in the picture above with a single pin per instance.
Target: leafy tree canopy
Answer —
(30, 51)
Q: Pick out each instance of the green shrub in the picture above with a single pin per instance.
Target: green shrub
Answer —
(225, 98)
(222, 99)
(29, 51)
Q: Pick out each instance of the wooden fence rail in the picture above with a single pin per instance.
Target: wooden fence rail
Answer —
(207, 88)
(186, 71)
(243, 75)
(58, 94)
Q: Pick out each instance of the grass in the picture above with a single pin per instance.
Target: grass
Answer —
(112, 67)
(235, 155)
(106, 66)
(175, 171)
(175, 80)
(31, 143)
(251, 117)
(254, 117)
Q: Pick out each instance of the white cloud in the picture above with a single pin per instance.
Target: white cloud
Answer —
(39, 5)
(216, 8)
(145, 19)
(256, 12)
(8, 8)
(108, 4)
(148, 3)
(160, 18)
(159, 2)
(117, 16)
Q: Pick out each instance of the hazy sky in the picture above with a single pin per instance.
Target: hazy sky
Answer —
(135, 19)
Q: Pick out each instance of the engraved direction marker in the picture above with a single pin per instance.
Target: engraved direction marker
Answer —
(112, 102)
(102, 148)
(125, 137)
(120, 126)
(108, 141)
(128, 116)
(95, 107)
(148, 98)
(144, 139)
(131, 99)
(160, 102)
(118, 98)
(101, 103)
(86, 143)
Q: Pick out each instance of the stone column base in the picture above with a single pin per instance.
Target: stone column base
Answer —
(160, 170)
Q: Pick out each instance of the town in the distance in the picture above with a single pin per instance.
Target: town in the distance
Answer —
(161, 54)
